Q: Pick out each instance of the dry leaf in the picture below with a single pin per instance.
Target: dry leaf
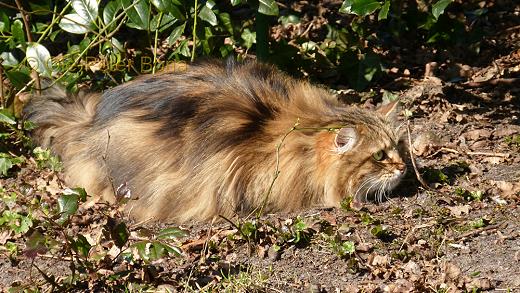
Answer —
(493, 160)
(477, 134)
(508, 188)
(451, 271)
(457, 211)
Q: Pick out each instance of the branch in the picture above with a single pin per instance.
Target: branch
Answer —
(25, 19)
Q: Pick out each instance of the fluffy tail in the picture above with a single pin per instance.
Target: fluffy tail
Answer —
(61, 119)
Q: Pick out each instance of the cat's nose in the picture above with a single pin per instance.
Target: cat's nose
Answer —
(401, 168)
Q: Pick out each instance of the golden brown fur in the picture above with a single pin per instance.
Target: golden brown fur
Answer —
(197, 144)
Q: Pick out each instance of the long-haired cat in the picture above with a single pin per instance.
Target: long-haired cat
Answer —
(219, 139)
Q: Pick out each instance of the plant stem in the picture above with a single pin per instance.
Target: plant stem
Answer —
(53, 21)
(194, 31)
(277, 168)
(155, 42)
(25, 19)
(97, 41)
(2, 100)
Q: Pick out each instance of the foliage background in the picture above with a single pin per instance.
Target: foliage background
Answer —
(107, 42)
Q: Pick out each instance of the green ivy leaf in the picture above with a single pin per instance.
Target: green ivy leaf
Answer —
(160, 5)
(67, 206)
(169, 6)
(8, 59)
(268, 7)
(249, 38)
(383, 13)
(5, 165)
(176, 34)
(225, 50)
(225, 19)
(287, 19)
(171, 233)
(81, 245)
(6, 117)
(75, 24)
(80, 192)
(183, 49)
(4, 22)
(17, 31)
(157, 250)
(39, 59)
(139, 14)
(35, 245)
(235, 2)
(299, 225)
(86, 9)
(172, 249)
(248, 229)
(359, 7)
(83, 18)
(438, 8)
(22, 225)
(208, 15)
(120, 234)
(19, 78)
(7, 162)
(348, 247)
(142, 249)
(110, 11)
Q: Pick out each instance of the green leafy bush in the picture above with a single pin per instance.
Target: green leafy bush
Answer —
(95, 41)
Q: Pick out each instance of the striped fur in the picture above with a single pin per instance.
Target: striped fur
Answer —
(200, 143)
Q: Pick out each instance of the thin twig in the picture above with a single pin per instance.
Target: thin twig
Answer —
(412, 158)
(496, 81)
(205, 245)
(47, 278)
(489, 154)
(194, 32)
(25, 19)
(155, 42)
(277, 168)
(480, 230)
(2, 100)
(105, 157)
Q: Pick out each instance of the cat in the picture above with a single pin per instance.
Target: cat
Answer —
(222, 138)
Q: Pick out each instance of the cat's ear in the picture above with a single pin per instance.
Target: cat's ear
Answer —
(345, 140)
(389, 110)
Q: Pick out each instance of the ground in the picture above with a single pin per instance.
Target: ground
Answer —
(457, 231)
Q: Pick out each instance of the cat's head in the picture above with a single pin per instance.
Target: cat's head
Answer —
(368, 153)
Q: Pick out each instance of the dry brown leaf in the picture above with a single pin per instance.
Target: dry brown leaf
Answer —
(481, 283)
(378, 260)
(425, 142)
(457, 211)
(493, 160)
(477, 134)
(412, 268)
(4, 236)
(508, 188)
(451, 271)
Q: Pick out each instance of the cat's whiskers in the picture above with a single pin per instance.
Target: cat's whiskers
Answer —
(374, 181)
(383, 194)
(365, 182)
(380, 191)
